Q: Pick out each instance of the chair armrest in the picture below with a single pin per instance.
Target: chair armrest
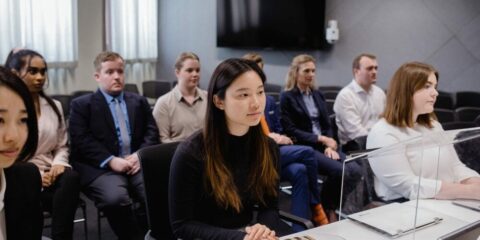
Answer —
(295, 219)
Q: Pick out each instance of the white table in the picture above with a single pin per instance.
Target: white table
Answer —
(454, 217)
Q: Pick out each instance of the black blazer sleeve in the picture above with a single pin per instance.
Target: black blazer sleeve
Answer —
(296, 123)
(296, 120)
(92, 140)
(23, 212)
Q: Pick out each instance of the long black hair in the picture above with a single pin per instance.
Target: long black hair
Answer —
(263, 176)
(21, 59)
(14, 83)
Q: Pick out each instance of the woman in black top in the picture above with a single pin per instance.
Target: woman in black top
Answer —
(220, 176)
(20, 183)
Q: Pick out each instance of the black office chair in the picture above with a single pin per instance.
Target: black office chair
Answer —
(154, 89)
(131, 87)
(330, 94)
(271, 87)
(445, 115)
(275, 96)
(477, 121)
(458, 125)
(329, 88)
(155, 162)
(467, 114)
(65, 101)
(467, 99)
(444, 100)
(330, 103)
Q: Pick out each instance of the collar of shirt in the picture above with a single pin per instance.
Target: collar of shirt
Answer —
(109, 98)
(357, 88)
(179, 97)
(306, 92)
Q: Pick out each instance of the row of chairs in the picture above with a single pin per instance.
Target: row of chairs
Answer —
(463, 114)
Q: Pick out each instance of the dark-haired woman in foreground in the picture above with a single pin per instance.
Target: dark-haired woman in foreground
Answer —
(219, 175)
(20, 183)
(61, 185)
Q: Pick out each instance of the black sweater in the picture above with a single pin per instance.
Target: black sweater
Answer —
(194, 213)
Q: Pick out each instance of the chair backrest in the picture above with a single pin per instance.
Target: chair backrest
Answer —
(131, 87)
(467, 114)
(333, 124)
(271, 87)
(458, 125)
(65, 101)
(330, 94)
(155, 161)
(467, 99)
(330, 88)
(330, 103)
(444, 115)
(154, 89)
(444, 100)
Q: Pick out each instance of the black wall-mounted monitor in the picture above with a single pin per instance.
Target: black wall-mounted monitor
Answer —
(271, 24)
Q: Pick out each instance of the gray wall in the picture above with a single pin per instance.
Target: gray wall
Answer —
(444, 33)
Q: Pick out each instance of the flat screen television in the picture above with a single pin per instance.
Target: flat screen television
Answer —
(271, 24)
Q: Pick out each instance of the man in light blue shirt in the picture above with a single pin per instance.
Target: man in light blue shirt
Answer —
(107, 128)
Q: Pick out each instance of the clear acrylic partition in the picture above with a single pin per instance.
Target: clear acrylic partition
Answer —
(433, 152)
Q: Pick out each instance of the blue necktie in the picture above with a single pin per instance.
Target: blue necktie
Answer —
(125, 150)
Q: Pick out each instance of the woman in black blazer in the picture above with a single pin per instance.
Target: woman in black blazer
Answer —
(304, 117)
(20, 183)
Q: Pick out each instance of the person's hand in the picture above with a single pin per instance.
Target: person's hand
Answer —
(56, 171)
(119, 165)
(474, 190)
(47, 179)
(331, 153)
(329, 142)
(135, 162)
(284, 140)
(259, 232)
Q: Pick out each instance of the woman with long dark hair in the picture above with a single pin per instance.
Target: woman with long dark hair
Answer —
(222, 175)
(20, 184)
(61, 185)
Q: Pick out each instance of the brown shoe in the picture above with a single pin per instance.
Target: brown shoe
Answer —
(318, 215)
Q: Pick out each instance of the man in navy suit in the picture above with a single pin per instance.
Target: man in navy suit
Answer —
(107, 128)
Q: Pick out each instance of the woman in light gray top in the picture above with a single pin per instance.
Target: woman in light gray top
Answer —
(181, 112)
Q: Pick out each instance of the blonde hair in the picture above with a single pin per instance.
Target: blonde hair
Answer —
(291, 79)
(184, 56)
(409, 78)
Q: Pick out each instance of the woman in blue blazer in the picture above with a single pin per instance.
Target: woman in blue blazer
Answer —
(20, 183)
(305, 118)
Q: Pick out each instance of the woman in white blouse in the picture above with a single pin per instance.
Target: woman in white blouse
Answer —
(61, 185)
(409, 113)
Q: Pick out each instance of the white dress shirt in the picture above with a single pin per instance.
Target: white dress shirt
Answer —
(357, 110)
(52, 139)
(397, 173)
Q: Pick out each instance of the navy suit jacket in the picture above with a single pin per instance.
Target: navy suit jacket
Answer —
(93, 135)
(295, 118)
(23, 212)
